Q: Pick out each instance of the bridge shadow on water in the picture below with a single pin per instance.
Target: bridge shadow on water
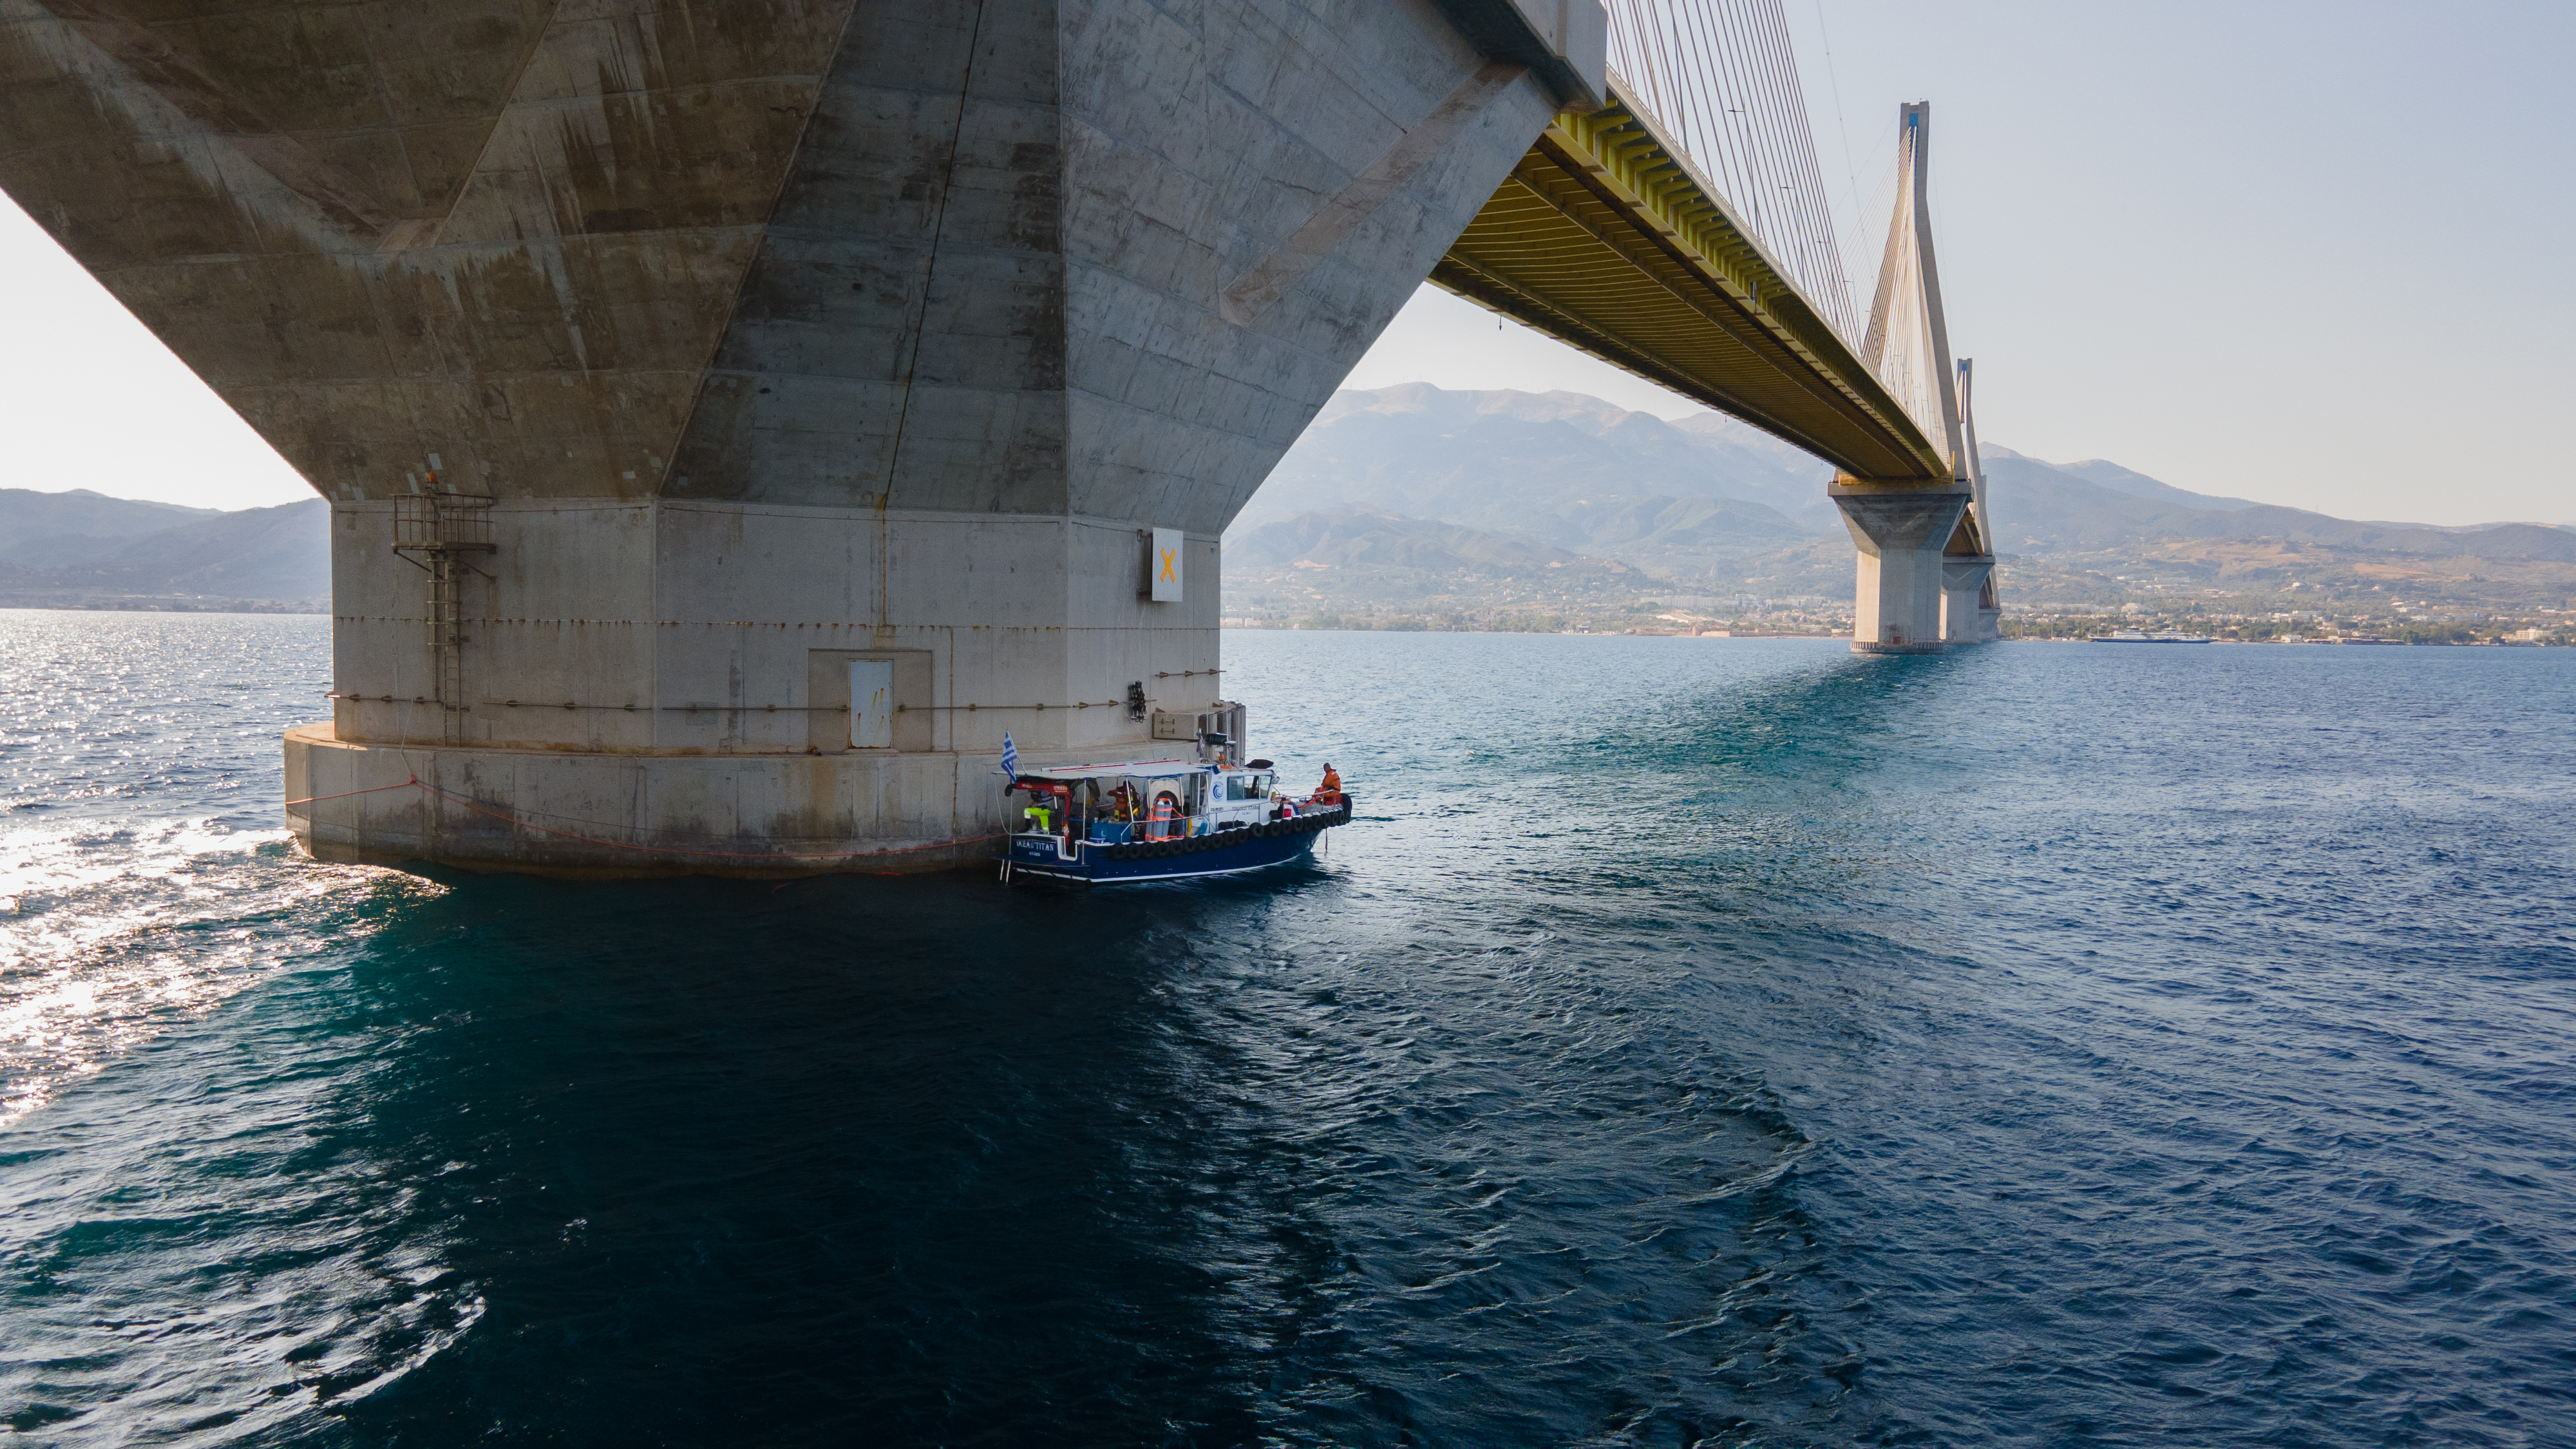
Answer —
(1825, 724)
(1772, 785)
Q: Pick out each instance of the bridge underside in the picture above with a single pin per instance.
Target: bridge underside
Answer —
(1605, 237)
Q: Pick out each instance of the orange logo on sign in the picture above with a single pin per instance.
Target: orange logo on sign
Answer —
(1170, 567)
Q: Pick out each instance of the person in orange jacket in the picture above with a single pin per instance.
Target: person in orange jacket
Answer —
(1329, 792)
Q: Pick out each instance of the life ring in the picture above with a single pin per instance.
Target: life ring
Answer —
(1164, 815)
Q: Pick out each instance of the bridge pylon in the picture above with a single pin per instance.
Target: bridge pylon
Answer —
(1924, 559)
(1968, 611)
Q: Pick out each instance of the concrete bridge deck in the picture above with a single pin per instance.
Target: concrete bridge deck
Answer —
(1606, 237)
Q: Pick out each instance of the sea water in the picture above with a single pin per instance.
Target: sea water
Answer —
(1690, 1042)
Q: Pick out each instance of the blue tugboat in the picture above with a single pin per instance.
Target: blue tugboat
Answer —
(1179, 819)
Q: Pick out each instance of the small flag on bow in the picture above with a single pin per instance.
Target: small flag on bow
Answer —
(1010, 756)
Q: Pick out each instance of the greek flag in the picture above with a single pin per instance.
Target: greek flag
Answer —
(1010, 756)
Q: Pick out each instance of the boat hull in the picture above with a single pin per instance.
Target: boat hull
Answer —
(1228, 852)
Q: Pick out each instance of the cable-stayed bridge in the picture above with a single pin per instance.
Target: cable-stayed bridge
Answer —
(1613, 234)
(670, 367)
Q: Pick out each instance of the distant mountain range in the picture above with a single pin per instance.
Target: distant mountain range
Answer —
(55, 528)
(85, 549)
(1457, 499)
(2104, 474)
(1710, 505)
(1521, 462)
(2063, 508)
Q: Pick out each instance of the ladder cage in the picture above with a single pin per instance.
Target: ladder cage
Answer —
(440, 527)
(430, 522)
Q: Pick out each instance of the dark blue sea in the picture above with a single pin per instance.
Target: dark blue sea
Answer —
(1692, 1042)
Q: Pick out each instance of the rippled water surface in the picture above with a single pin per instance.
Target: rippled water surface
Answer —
(1694, 1041)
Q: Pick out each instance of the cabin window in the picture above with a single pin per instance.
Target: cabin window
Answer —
(872, 704)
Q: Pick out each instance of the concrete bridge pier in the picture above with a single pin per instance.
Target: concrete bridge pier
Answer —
(1963, 591)
(737, 418)
(1898, 605)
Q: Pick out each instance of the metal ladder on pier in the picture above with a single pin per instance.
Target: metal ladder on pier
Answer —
(436, 531)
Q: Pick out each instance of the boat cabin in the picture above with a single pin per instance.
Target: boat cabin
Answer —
(1134, 800)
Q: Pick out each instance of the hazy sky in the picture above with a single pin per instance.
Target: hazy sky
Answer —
(2305, 253)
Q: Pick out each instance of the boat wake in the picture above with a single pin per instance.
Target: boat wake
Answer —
(108, 932)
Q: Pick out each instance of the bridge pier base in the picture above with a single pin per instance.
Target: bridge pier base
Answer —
(1897, 604)
(640, 814)
(1963, 588)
